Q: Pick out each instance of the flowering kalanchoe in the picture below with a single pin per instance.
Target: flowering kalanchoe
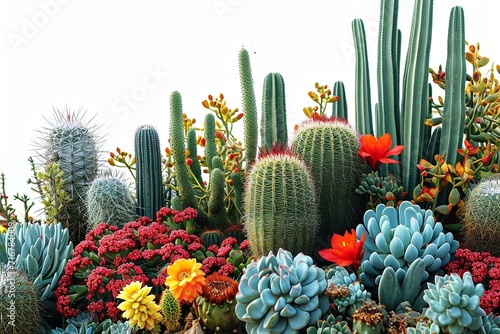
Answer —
(139, 306)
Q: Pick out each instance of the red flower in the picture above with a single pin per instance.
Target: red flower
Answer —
(346, 250)
(377, 150)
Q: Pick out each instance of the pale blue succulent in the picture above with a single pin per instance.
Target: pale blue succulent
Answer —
(332, 325)
(454, 303)
(490, 325)
(41, 250)
(395, 237)
(339, 277)
(423, 328)
(281, 293)
(81, 324)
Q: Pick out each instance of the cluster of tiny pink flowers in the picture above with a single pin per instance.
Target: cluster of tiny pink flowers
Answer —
(484, 269)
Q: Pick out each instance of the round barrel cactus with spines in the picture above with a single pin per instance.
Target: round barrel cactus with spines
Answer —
(397, 237)
(281, 294)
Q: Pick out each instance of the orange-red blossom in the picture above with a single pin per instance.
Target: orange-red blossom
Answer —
(346, 250)
(376, 151)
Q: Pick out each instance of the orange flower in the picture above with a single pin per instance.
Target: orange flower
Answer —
(346, 250)
(377, 150)
(185, 279)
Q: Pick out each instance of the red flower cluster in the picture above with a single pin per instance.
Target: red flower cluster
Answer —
(484, 269)
(110, 258)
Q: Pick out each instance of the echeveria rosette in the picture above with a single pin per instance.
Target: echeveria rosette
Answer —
(454, 303)
(332, 325)
(397, 237)
(344, 290)
(281, 293)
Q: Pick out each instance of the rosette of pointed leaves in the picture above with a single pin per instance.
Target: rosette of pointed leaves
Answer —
(331, 325)
(344, 289)
(454, 303)
(490, 325)
(423, 328)
(281, 293)
(397, 237)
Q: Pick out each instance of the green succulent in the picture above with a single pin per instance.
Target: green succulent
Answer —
(454, 303)
(345, 291)
(332, 325)
(381, 189)
(424, 328)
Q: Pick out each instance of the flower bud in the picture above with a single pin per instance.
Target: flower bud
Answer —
(189, 161)
(111, 161)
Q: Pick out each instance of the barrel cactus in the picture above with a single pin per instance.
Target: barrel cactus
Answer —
(40, 250)
(454, 303)
(397, 237)
(280, 208)
(481, 220)
(332, 325)
(330, 147)
(281, 293)
(19, 304)
(109, 200)
(370, 318)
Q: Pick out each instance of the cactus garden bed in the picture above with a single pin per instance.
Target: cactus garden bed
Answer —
(334, 228)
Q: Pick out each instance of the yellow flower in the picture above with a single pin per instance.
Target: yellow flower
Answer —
(2, 229)
(185, 279)
(138, 306)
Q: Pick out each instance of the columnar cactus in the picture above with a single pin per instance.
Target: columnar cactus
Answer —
(481, 220)
(281, 294)
(273, 128)
(397, 237)
(71, 142)
(249, 106)
(148, 170)
(339, 109)
(454, 303)
(110, 200)
(330, 147)
(280, 209)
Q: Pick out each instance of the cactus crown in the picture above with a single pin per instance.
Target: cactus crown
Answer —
(219, 288)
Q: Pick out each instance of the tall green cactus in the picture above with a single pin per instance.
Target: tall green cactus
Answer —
(249, 107)
(280, 204)
(415, 93)
(273, 128)
(339, 109)
(331, 148)
(148, 170)
(362, 92)
(454, 105)
(73, 145)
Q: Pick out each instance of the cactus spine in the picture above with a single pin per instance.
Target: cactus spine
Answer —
(454, 106)
(331, 147)
(481, 220)
(339, 109)
(249, 107)
(72, 144)
(109, 200)
(149, 187)
(273, 128)
(279, 205)
(415, 94)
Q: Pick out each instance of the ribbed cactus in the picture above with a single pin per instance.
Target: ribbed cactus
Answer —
(330, 147)
(280, 204)
(71, 142)
(273, 128)
(482, 220)
(454, 104)
(212, 237)
(19, 308)
(249, 106)
(171, 310)
(148, 171)
(109, 200)
(339, 109)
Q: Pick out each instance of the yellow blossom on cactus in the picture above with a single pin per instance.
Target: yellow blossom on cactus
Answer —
(139, 306)
(185, 279)
(3, 229)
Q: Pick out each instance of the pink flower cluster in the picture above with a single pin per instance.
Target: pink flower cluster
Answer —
(110, 258)
(484, 269)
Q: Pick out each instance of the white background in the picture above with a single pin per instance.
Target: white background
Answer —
(93, 54)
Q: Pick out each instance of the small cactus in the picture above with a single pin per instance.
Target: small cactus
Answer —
(171, 310)
(369, 319)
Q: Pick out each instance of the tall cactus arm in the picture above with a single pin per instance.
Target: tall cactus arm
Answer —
(210, 144)
(362, 92)
(217, 215)
(176, 132)
(415, 95)
(250, 127)
(454, 106)
(273, 127)
(339, 109)
(193, 153)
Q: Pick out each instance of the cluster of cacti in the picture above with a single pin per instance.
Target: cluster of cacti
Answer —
(281, 293)
(330, 147)
(149, 180)
(397, 237)
(481, 222)
(345, 291)
(109, 200)
(216, 305)
(73, 145)
(454, 303)
(380, 189)
(331, 325)
(280, 204)
(171, 310)
(40, 250)
(19, 304)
